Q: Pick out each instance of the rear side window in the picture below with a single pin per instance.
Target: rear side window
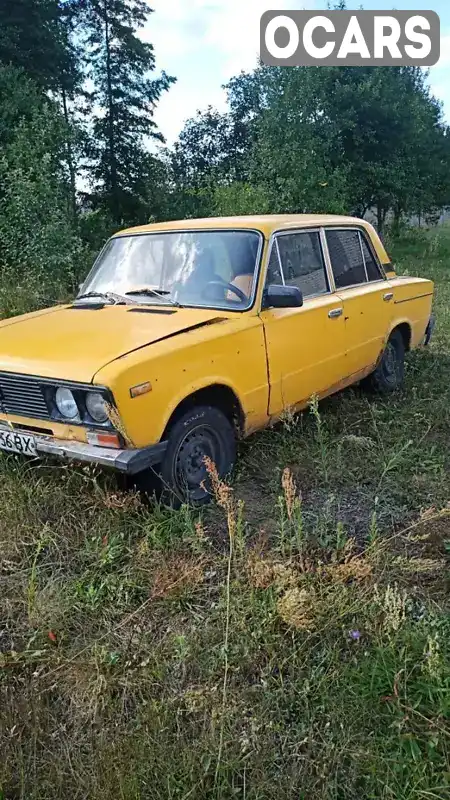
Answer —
(373, 270)
(346, 257)
(302, 262)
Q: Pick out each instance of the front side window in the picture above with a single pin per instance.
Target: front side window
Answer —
(346, 257)
(211, 269)
(298, 259)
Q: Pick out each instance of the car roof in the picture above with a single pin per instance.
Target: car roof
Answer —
(266, 223)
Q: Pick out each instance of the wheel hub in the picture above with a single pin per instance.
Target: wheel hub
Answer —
(195, 457)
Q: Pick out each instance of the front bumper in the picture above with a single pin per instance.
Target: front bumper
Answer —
(129, 462)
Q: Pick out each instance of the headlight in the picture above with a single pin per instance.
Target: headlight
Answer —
(65, 403)
(96, 406)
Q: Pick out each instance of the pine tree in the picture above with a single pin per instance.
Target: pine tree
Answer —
(36, 36)
(30, 39)
(120, 66)
(70, 90)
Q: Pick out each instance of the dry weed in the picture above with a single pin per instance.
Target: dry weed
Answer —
(392, 602)
(420, 566)
(433, 664)
(263, 573)
(200, 698)
(289, 490)
(296, 608)
(84, 688)
(224, 497)
(356, 569)
(284, 575)
(259, 571)
(288, 418)
(200, 532)
(124, 501)
(116, 421)
(176, 575)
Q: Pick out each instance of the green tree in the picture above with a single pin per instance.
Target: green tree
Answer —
(39, 37)
(19, 97)
(389, 132)
(71, 92)
(240, 198)
(41, 254)
(292, 143)
(30, 38)
(211, 148)
(340, 139)
(208, 166)
(124, 97)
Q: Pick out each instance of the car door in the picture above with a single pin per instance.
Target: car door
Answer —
(365, 293)
(305, 346)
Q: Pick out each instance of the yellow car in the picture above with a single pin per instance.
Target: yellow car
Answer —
(189, 335)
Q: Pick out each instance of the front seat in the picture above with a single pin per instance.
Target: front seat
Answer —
(244, 283)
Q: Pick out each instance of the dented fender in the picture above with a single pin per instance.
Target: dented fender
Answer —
(231, 353)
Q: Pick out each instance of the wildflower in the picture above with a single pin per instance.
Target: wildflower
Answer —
(393, 603)
(355, 635)
(433, 659)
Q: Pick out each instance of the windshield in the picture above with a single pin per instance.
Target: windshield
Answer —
(213, 269)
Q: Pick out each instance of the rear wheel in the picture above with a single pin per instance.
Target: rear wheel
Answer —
(201, 434)
(390, 372)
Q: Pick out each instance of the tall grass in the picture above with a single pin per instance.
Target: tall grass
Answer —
(292, 640)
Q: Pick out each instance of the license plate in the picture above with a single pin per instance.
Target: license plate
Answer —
(17, 443)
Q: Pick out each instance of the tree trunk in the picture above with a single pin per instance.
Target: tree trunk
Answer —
(70, 159)
(115, 205)
(363, 211)
(381, 217)
(396, 221)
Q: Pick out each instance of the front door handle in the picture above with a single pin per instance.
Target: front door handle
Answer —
(388, 296)
(335, 312)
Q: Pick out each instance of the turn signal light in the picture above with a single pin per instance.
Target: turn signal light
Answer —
(142, 388)
(103, 439)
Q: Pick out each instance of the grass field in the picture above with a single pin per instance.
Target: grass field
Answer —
(291, 642)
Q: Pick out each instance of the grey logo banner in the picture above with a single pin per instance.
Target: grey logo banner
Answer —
(350, 38)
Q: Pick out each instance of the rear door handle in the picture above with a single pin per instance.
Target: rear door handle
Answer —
(388, 296)
(335, 312)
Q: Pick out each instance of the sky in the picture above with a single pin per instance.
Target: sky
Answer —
(203, 43)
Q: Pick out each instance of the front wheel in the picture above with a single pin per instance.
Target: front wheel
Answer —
(202, 433)
(390, 372)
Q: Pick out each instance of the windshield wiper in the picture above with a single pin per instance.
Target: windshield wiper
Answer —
(91, 294)
(161, 293)
(112, 296)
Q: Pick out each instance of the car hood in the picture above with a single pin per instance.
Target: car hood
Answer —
(74, 343)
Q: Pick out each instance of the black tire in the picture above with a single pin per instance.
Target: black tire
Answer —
(390, 372)
(202, 431)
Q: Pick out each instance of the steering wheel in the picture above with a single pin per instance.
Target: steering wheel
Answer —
(229, 287)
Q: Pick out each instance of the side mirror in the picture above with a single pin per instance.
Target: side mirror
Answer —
(282, 297)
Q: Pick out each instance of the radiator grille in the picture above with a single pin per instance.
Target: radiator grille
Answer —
(22, 395)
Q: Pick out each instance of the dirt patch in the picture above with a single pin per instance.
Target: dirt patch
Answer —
(260, 507)
(353, 508)
(323, 510)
